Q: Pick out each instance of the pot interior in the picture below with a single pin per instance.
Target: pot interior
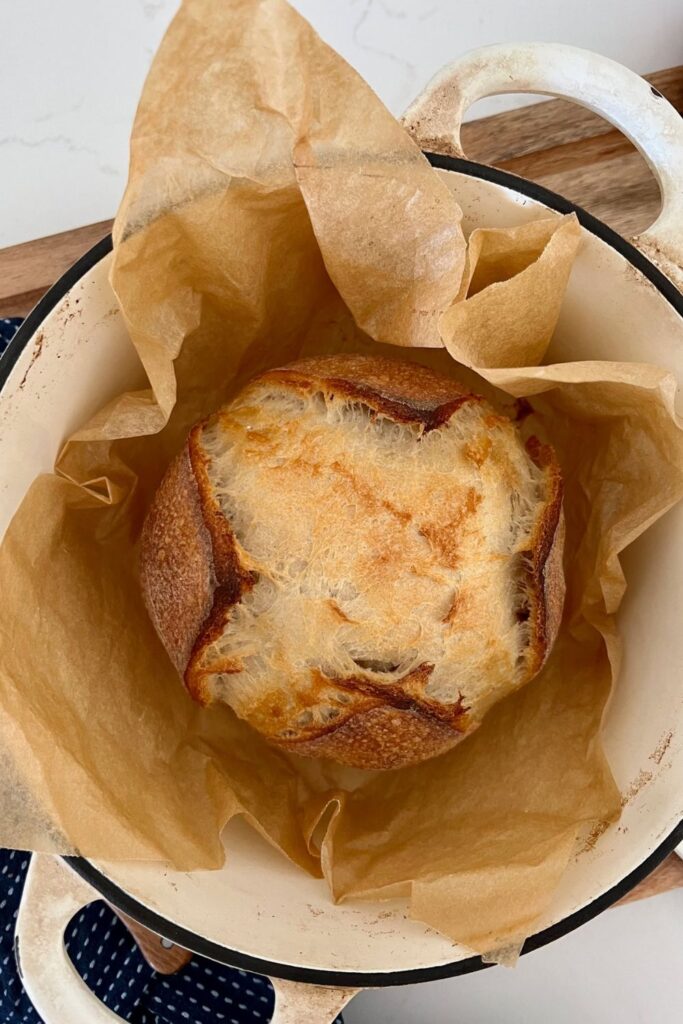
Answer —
(261, 909)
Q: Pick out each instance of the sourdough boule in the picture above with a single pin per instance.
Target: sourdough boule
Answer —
(359, 556)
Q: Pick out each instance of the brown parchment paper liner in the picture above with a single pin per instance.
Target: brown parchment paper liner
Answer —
(275, 208)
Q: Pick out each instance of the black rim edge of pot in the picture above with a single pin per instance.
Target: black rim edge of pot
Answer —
(233, 958)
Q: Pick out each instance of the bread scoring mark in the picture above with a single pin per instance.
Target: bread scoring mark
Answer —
(428, 417)
(407, 694)
(544, 598)
(231, 579)
(328, 702)
(389, 396)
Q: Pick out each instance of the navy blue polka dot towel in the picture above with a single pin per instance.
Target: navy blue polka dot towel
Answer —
(109, 961)
(8, 326)
(107, 958)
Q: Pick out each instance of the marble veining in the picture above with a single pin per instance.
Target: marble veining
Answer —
(71, 74)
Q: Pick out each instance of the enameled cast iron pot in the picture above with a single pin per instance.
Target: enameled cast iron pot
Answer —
(264, 914)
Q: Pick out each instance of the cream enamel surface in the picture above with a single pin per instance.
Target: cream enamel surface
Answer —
(235, 908)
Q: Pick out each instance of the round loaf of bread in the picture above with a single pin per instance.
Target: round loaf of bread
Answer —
(359, 557)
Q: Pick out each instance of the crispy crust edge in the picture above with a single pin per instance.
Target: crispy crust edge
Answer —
(190, 572)
(544, 570)
(381, 384)
(381, 738)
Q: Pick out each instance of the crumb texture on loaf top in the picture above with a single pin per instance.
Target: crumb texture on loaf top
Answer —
(395, 546)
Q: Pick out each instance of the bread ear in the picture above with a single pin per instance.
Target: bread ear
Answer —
(190, 571)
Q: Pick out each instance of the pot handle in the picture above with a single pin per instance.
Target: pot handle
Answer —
(53, 894)
(614, 92)
(297, 1003)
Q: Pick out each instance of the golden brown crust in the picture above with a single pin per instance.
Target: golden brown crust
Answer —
(177, 562)
(404, 392)
(381, 737)
(408, 694)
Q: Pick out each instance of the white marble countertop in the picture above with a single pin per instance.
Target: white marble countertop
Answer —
(70, 75)
(71, 72)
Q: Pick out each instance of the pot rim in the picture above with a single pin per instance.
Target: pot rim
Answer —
(365, 979)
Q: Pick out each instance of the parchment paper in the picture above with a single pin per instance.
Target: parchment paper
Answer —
(275, 208)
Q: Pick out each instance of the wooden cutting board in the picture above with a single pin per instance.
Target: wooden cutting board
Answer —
(562, 146)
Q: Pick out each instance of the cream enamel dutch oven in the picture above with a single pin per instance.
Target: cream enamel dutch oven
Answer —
(262, 913)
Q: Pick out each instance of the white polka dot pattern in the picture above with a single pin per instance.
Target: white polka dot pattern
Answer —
(110, 963)
(8, 326)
